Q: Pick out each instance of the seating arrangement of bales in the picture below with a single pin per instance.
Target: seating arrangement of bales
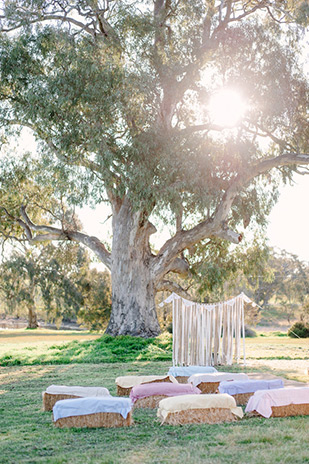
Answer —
(29, 433)
(207, 398)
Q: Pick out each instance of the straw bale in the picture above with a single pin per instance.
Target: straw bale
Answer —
(290, 410)
(151, 402)
(126, 391)
(242, 398)
(100, 419)
(208, 387)
(123, 391)
(201, 416)
(286, 411)
(49, 400)
(182, 379)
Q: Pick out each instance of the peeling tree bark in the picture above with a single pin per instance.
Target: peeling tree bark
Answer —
(133, 290)
(133, 300)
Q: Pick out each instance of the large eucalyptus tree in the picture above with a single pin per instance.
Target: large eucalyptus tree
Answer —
(117, 93)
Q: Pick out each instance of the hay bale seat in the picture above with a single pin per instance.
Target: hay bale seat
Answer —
(242, 390)
(182, 373)
(199, 409)
(127, 382)
(209, 383)
(103, 419)
(149, 395)
(242, 398)
(282, 402)
(92, 412)
(55, 393)
(182, 378)
(209, 387)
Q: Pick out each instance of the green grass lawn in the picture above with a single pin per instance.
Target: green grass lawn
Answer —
(60, 347)
(27, 434)
(104, 348)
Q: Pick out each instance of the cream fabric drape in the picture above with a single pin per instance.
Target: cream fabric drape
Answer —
(207, 334)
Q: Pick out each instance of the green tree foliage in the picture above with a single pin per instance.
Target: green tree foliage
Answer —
(117, 94)
(273, 279)
(56, 282)
(96, 309)
(288, 287)
(218, 271)
(305, 310)
(36, 277)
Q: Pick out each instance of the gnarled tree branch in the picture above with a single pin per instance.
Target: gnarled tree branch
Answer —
(169, 286)
(216, 225)
(54, 233)
(179, 266)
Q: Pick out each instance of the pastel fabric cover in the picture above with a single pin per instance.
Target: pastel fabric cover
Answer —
(187, 402)
(162, 388)
(196, 379)
(77, 391)
(129, 381)
(186, 371)
(263, 400)
(92, 405)
(235, 387)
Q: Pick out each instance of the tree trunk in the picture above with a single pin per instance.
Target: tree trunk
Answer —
(133, 291)
(32, 319)
(133, 303)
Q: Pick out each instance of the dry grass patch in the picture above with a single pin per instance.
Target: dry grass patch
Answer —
(37, 336)
(272, 347)
(290, 369)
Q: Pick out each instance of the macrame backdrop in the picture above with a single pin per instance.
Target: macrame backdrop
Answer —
(207, 334)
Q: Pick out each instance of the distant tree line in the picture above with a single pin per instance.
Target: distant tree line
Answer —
(58, 283)
(55, 283)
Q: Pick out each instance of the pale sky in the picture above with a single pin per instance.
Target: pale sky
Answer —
(289, 220)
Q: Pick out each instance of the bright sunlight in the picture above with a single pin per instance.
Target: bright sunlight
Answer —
(227, 107)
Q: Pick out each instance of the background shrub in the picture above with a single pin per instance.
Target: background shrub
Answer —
(299, 328)
(249, 333)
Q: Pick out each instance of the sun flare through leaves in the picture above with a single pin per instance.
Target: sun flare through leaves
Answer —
(227, 107)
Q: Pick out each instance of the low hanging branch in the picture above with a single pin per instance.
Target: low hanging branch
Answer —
(54, 233)
(173, 287)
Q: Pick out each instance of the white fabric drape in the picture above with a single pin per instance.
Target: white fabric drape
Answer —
(207, 334)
